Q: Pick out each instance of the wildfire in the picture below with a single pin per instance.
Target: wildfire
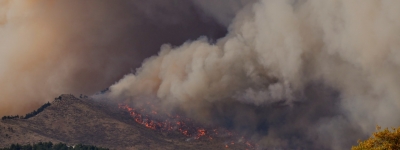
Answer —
(200, 133)
(178, 123)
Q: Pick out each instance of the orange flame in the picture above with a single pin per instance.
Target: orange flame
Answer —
(176, 123)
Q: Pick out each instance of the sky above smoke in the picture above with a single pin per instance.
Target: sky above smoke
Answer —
(289, 73)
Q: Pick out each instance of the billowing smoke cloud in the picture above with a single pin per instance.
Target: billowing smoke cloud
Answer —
(306, 74)
(51, 47)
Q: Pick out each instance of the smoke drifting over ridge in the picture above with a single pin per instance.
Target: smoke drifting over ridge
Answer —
(309, 74)
(52, 47)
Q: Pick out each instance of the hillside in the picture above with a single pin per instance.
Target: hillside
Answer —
(84, 121)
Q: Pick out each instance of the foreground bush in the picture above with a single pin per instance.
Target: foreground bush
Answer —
(381, 140)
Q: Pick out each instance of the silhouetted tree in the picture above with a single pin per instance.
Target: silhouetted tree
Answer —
(35, 112)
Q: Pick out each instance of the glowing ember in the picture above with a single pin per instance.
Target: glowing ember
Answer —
(200, 133)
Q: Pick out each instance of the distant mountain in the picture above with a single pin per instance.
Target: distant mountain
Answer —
(74, 121)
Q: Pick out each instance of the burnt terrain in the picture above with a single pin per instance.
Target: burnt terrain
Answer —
(73, 120)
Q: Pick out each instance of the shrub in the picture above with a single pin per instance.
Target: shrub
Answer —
(381, 140)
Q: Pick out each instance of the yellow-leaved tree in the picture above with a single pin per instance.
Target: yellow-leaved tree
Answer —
(381, 140)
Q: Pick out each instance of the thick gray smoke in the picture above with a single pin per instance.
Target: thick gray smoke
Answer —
(308, 74)
(51, 47)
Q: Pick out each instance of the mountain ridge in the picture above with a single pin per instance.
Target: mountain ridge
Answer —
(75, 120)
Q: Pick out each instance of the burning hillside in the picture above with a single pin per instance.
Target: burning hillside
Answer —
(74, 121)
(166, 122)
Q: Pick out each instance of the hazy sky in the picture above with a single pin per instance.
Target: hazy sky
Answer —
(52, 47)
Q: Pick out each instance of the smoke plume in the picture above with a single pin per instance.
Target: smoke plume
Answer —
(51, 47)
(305, 74)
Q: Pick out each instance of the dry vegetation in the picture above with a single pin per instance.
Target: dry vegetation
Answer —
(381, 140)
(73, 121)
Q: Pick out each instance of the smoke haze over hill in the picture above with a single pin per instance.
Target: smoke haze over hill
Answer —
(290, 73)
(331, 65)
(61, 46)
